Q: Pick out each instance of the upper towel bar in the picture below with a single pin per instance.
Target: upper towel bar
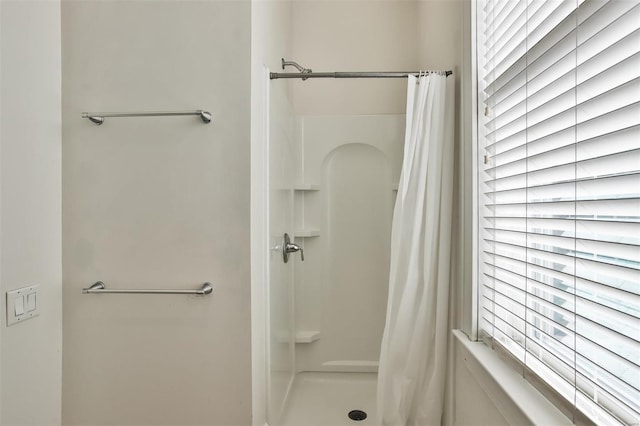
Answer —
(98, 117)
(99, 287)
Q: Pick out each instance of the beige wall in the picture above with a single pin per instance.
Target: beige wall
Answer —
(156, 203)
(370, 35)
(354, 35)
(30, 209)
(439, 33)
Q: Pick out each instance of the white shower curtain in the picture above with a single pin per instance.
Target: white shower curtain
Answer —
(413, 354)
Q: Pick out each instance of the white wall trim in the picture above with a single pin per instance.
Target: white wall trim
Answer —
(2, 297)
(515, 398)
(259, 244)
(471, 107)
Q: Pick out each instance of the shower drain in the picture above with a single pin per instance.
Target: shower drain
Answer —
(357, 415)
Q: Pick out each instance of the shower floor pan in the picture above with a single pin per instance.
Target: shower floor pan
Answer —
(326, 399)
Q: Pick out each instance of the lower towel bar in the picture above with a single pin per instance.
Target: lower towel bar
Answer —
(99, 287)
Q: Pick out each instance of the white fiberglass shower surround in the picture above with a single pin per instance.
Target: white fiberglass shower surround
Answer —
(330, 184)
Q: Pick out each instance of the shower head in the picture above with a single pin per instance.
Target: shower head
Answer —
(299, 67)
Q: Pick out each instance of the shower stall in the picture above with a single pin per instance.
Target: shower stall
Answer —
(332, 181)
(347, 169)
(332, 186)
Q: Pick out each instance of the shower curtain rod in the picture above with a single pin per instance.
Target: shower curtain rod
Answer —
(388, 74)
(306, 73)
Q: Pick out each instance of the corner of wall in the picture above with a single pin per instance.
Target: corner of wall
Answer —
(30, 209)
(2, 305)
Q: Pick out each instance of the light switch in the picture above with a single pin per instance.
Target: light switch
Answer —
(19, 305)
(31, 302)
(22, 304)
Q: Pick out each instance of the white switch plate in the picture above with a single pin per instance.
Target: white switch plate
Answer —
(22, 294)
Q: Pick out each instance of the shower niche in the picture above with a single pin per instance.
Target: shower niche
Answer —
(347, 169)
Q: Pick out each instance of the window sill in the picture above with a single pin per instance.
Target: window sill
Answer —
(516, 399)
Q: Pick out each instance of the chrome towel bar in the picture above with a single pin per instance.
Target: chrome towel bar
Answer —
(98, 117)
(99, 287)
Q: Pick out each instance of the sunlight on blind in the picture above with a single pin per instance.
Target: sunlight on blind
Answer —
(559, 85)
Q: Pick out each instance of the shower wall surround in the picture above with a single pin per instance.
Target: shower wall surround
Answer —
(282, 166)
(345, 227)
(156, 203)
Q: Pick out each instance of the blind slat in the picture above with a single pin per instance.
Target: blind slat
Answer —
(623, 162)
(608, 298)
(560, 93)
(615, 142)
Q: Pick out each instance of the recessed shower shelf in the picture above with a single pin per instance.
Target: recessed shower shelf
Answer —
(307, 336)
(306, 233)
(306, 187)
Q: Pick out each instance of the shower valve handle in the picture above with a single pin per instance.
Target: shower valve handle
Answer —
(292, 248)
(289, 247)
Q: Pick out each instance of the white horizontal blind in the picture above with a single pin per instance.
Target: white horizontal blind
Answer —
(559, 195)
